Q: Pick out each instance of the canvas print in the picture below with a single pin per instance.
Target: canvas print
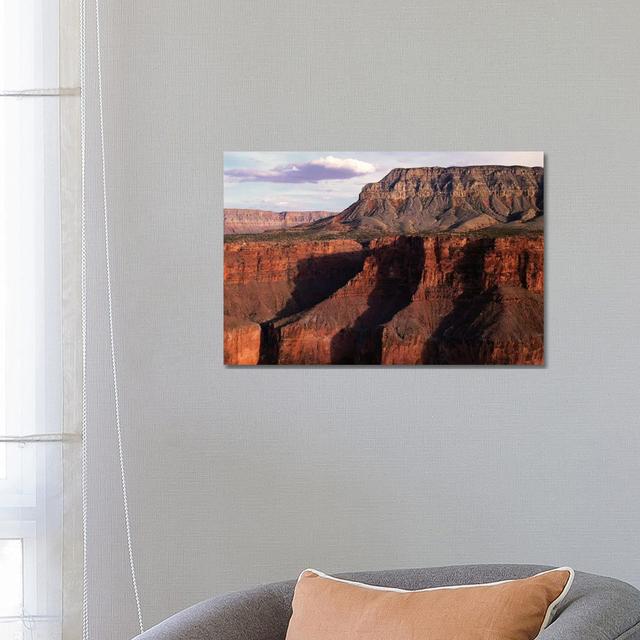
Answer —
(383, 258)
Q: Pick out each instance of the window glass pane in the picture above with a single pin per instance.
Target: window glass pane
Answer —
(12, 630)
(11, 590)
(3, 460)
(29, 44)
(30, 299)
(31, 514)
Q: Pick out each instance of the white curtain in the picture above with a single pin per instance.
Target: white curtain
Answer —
(39, 335)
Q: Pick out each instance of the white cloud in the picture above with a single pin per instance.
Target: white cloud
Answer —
(357, 167)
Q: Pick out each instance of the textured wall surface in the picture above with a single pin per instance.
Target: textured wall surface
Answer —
(239, 476)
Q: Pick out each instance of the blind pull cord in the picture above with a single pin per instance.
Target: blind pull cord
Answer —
(114, 369)
(83, 306)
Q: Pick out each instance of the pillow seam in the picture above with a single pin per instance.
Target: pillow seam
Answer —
(374, 587)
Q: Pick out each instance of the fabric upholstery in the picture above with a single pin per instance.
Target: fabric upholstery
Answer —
(596, 608)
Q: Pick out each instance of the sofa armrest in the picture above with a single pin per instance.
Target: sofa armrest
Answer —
(259, 614)
(597, 608)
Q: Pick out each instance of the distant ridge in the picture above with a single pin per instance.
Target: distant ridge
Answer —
(258, 220)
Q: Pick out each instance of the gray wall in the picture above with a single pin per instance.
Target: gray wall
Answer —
(239, 476)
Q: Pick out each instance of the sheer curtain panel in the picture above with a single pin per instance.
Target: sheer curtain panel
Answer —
(40, 376)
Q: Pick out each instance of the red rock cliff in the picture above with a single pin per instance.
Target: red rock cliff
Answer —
(267, 280)
(479, 301)
(444, 299)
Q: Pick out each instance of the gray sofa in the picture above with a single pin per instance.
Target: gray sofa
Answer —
(596, 608)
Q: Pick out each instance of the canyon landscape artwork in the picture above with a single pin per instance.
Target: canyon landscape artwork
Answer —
(381, 258)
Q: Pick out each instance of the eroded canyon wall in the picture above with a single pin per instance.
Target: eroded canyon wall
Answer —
(442, 299)
(264, 281)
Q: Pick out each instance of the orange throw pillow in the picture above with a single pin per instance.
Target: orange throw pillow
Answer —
(326, 608)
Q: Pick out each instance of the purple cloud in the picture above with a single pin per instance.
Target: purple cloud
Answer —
(327, 168)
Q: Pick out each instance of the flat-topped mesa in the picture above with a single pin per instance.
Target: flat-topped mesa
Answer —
(259, 220)
(446, 198)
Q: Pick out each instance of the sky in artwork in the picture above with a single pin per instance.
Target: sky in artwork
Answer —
(331, 181)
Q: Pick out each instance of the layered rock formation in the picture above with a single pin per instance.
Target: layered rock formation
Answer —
(264, 281)
(257, 220)
(241, 340)
(479, 301)
(443, 299)
(417, 200)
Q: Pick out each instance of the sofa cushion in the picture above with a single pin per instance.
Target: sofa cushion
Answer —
(326, 607)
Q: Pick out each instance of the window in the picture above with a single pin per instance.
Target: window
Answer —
(32, 545)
